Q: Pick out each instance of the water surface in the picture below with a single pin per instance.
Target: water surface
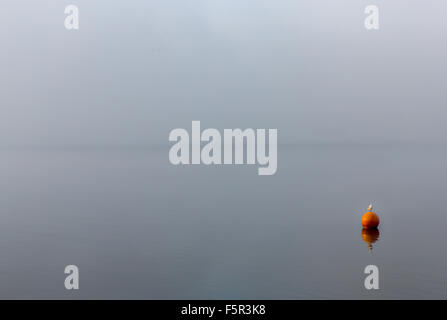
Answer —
(139, 227)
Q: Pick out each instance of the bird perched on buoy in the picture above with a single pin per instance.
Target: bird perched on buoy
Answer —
(370, 220)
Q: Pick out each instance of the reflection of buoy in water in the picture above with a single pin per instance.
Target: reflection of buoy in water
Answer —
(370, 219)
(370, 236)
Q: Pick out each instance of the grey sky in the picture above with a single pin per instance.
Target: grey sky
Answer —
(137, 69)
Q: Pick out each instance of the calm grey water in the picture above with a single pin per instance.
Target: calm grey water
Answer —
(138, 227)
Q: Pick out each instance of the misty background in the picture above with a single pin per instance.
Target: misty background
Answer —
(85, 177)
(137, 69)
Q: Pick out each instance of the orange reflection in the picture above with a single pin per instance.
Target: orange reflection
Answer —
(370, 236)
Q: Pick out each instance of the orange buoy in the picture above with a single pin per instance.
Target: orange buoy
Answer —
(370, 220)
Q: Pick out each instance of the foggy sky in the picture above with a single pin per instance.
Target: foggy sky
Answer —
(137, 69)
